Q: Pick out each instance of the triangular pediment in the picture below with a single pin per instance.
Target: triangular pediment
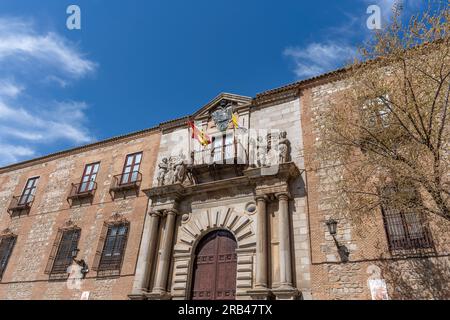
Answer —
(221, 99)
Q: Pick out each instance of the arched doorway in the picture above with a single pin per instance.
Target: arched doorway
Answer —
(214, 271)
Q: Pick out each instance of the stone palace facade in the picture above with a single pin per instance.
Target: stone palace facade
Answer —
(156, 215)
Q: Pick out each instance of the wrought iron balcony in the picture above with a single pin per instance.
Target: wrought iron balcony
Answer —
(222, 155)
(124, 182)
(20, 203)
(81, 191)
(218, 163)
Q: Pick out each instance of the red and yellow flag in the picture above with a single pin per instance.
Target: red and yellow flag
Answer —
(198, 134)
(235, 121)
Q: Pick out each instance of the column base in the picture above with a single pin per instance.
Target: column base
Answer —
(137, 296)
(260, 294)
(287, 293)
(159, 295)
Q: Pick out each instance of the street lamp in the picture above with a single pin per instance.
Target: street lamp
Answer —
(342, 249)
(332, 226)
(84, 267)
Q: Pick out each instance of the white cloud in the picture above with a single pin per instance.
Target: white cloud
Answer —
(59, 121)
(10, 153)
(318, 58)
(9, 89)
(325, 55)
(18, 39)
(33, 63)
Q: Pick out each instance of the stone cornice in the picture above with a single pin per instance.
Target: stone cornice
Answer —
(252, 177)
(286, 171)
(77, 150)
(242, 100)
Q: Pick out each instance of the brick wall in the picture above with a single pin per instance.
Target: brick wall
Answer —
(24, 277)
(367, 243)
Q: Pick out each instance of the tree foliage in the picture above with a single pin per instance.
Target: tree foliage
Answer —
(390, 126)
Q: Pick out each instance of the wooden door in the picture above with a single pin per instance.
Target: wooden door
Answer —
(214, 272)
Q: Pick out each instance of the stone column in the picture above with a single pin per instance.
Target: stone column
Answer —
(284, 238)
(146, 257)
(261, 243)
(162, 273)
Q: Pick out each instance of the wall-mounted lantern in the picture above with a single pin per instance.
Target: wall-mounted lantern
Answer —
(343, 251)
(84, 267)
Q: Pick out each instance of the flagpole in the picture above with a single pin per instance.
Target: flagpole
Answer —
(189, 145)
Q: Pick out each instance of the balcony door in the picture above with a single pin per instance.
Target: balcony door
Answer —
(131, 168)
(89, 176)
(223, 148)
(28, 191)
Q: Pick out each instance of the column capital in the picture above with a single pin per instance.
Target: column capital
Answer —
(155, 214)
(262, 197)
(282, 196)
(170, 212)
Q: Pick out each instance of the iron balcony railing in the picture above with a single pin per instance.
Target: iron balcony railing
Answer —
(126, 181)
(82, 190)
(227, 154)
(23, 202)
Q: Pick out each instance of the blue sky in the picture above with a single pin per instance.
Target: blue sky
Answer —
(137, 63)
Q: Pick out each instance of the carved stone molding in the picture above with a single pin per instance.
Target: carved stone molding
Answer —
(6, 233)
(117, 218)
(285, 171)
(69, 224)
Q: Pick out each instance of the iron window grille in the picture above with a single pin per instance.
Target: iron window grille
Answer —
(114, 247)
(67, 244)
(6, 247)
(406, 228)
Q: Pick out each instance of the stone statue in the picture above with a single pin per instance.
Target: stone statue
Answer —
(162, 171)
(283, 148)
(261, 153)
(179, 168)
(172, 170)
(252, 152)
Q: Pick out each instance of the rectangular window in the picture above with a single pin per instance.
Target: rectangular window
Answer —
(6, 248)
(29, 191)
(130, 171)
(68, 243)
(223, 148)
(406, 228)
(114, 247)
(89, 176)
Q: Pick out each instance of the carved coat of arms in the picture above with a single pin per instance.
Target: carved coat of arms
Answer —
(222, 115)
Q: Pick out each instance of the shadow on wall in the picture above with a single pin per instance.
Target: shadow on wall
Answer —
(418, 278)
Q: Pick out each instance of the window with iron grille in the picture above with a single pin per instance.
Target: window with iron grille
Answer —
(6, 247)
(406, 228)
(67, 244)
(114, 247)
